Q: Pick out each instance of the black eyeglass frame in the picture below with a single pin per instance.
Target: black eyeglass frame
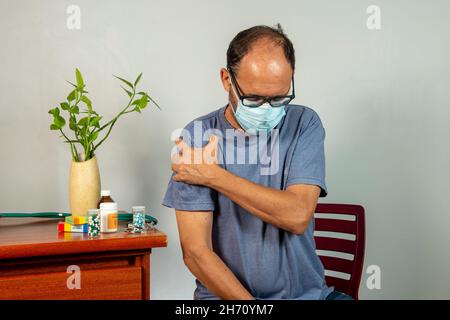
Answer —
(264, 99)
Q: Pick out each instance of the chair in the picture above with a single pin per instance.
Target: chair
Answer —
(340, 243)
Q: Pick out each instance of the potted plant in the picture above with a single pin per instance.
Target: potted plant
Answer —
(87, 128)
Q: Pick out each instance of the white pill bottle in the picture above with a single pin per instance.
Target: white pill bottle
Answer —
(108, 217)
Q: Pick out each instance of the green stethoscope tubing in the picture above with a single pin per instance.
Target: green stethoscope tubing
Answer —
(59, 215)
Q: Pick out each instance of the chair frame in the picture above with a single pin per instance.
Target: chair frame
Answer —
(351, 286)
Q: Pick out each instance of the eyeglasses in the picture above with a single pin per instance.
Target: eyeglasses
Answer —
(254, 101)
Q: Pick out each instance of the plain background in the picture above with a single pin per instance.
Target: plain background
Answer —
(383, 96)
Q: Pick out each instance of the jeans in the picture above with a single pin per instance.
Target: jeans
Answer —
(336, 295)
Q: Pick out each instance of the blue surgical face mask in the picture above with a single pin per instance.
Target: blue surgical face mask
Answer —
(264, 117)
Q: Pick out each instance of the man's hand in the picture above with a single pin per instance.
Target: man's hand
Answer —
(196, 165)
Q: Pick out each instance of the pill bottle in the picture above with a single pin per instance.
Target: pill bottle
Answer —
(93, 222)
(138, 217)
(105, 196)
(108, 217)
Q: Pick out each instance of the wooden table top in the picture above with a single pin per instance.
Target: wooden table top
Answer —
(33, 237)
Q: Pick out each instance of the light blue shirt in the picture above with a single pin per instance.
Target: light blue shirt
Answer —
(271, 263)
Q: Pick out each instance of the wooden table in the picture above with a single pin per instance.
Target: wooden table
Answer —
(35, 262)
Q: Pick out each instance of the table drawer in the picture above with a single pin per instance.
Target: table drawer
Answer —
(107, 283)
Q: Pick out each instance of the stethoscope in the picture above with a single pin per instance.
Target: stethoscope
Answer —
(60, 215)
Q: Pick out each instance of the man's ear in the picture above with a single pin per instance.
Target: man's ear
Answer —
(225, 78)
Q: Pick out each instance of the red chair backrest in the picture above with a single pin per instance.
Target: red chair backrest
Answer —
(343, 258)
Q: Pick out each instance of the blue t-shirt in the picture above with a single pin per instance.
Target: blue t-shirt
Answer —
(271, 263)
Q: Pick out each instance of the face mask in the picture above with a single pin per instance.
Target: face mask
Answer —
(264, 117)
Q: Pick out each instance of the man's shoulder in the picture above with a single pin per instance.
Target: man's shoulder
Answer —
(206, 121)
(301, 112)
(301, 117)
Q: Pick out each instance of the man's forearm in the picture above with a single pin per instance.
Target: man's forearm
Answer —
(212, 272)
(281, 208)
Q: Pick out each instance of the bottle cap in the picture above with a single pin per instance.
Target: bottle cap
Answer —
(105, 193)
(138, 208)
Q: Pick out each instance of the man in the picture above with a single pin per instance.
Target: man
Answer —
(246, 228)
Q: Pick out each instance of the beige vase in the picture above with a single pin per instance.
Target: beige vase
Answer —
(84, 186)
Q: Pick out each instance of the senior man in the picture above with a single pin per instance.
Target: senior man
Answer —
(245, 200)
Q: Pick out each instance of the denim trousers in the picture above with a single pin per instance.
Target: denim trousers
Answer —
(336, 295)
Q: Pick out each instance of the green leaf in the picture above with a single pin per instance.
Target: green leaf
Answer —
(95, 122)
(88, 103)
(89, 112)
(83, 121)
(54, 111)
(145, 93)
(59, 121)
(137, 79)
(93, 136)
(127, 91)
(72, 95)
(137, 109)
(154, 102)
(128, 83)
(86, 100)
(143, 102)
(135, 102)
(72, 83)
(72, 124)
(75, 110)
(54, 127)
(64, 106)
(80, 81)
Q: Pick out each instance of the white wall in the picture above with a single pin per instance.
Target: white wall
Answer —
(382, 95)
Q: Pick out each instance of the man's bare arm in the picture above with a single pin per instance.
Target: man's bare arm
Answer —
(290, 209)
(195, 238)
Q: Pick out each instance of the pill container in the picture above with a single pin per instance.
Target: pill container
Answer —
(138, 217)
(93, 222)
(108, 217)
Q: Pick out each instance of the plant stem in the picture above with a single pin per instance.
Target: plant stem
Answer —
(76, 153)
(79, 134)
(113, 121)
(68, 140)
(71, 150)
(73, 141)
(120, 113)
(105, 137)
(76, 128)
